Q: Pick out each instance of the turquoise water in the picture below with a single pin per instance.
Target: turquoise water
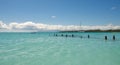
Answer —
(46, 49)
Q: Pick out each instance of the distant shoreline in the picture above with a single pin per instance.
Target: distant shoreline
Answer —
(92, 31)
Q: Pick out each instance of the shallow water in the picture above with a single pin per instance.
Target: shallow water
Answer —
(46, 49)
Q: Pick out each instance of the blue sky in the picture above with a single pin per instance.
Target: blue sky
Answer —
(63, 12)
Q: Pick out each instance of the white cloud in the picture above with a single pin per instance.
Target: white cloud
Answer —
(3, 26)
(53, 17)
(30, 26)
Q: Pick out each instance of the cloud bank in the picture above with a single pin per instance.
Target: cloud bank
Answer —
(31, 27)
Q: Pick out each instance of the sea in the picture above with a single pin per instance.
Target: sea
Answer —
(55, 48)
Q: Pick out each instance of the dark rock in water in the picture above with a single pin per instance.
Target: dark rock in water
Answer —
(113, 37)
(105, 37)
(88, 36)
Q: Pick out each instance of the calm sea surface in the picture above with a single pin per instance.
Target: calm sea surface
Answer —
(44, 48)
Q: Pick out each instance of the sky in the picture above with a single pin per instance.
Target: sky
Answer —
(61, 12)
